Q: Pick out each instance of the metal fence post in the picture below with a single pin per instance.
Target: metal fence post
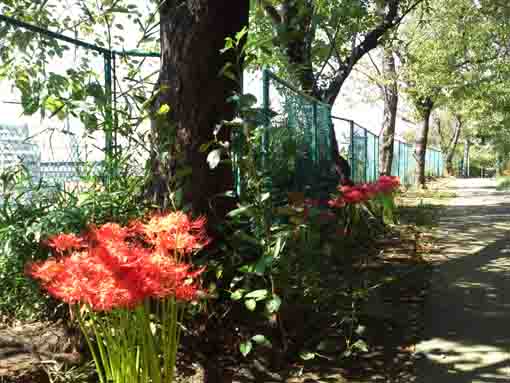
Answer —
(108, 115)
(353, 165)
(316, 154)
(376, 157)
(366, 156)
(265, 107)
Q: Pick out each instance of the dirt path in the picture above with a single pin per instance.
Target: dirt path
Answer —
(467, 320)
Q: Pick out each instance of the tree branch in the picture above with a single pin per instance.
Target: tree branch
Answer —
(326, 61)
(371, 40)
(379, 73)
(372, 79)
(271, 11)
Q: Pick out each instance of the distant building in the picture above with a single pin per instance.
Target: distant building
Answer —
(17, 148)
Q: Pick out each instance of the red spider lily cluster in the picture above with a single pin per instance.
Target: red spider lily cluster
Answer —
(112, 266)
(364, 192)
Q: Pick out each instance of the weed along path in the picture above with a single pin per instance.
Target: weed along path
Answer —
(466, 336)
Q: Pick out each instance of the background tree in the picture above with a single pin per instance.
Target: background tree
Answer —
(449, 128)
(390, 95)
(449, 50)
(317, 43)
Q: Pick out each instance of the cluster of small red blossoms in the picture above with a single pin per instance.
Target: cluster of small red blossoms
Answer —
(364, 192)
(112, 266)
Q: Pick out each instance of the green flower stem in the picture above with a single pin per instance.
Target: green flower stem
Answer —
(102, 352)
(91, 348)
(129, 350)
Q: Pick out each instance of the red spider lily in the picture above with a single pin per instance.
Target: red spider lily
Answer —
(387, 184)
(45, 271)
(353, 194)
(364, 192)
(63, 242)
(337, 202)
(370, 190)
(119, 267)
(174, 231)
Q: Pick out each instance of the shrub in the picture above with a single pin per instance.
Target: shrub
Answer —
(31, 212)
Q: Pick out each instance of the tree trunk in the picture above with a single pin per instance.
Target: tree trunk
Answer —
(425, 106)
(452, 146)
(192, 34)
(390, 113)
(465, 162)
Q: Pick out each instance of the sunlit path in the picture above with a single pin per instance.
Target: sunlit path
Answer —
(467, 314)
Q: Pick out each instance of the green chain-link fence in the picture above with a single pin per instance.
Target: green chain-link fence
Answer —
(361, 148)
(307, 121)
(86, 92)
(297, 147)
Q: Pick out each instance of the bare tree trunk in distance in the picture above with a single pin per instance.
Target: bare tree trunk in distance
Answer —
(390, 94)
(426, 105)
(452, 146)
(465, 162)
(192, 34)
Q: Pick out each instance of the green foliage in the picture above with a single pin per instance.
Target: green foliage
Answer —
(31, 212)
(503, 183)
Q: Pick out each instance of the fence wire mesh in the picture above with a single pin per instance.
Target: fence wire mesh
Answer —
(304, 121)
(80, 111)
(297, 150)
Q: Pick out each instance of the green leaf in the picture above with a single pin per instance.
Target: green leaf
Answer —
(261, 340)
(237, 295)
(257, 294)
(239, 35)
(247, 269)
(306, 355)
(263, 263)
(239, 211)
(273, 305)
(163, 109)
(245, 347)
(251, 304)
(360, 345)
(279, 245)
(247, 100)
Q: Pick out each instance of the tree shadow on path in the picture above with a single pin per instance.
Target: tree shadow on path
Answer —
(467, 314)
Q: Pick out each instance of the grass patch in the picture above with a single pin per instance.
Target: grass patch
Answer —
(503, 183)
(430, 194)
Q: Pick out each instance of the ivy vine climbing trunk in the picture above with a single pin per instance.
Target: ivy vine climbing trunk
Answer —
(390, 93)
(425, 107)
(192, 34)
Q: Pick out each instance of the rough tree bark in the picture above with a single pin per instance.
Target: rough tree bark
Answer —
(450, 150)
(390, 94)
(425, 107)
(192, 34)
